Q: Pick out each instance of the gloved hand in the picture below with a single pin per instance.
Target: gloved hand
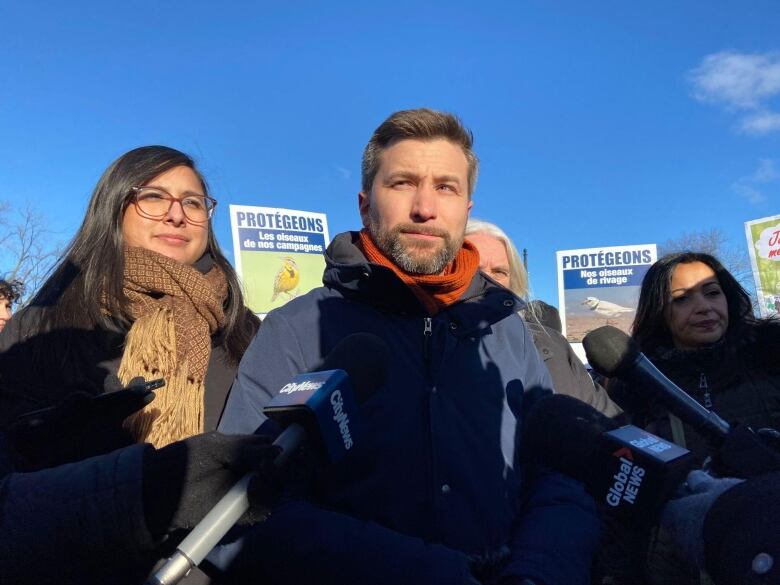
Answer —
(747, 454)
(741, 543)
(683, 517)
(183, 481)
(487, 566)
(80, 426)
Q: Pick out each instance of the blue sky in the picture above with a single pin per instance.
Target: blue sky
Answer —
(597, 124)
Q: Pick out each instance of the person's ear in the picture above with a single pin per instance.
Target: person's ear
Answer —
(364, 205)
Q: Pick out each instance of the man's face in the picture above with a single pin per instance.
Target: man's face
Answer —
(419, 203)
(5, 311)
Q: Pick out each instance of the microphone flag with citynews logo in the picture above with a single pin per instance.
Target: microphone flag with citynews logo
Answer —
(639, 473)
(322, 401)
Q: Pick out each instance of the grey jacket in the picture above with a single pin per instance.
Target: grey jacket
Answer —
(568, 374)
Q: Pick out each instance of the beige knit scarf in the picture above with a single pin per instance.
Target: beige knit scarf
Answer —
(175, 311)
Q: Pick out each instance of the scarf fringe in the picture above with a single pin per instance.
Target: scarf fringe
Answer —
(177, 410)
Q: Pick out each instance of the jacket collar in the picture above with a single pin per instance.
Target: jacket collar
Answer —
(348, 271)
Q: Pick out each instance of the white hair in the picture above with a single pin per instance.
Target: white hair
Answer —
(518, 276)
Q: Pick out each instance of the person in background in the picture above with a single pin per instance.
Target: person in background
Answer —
(498, 258)
(696, 324)
(546, 314)
(10, 291)
(434, 492)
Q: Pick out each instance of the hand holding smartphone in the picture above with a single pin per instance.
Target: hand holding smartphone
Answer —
(80, 426)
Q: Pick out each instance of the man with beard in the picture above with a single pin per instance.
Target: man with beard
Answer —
(435, 492)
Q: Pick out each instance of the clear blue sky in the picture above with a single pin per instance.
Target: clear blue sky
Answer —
(597, 124)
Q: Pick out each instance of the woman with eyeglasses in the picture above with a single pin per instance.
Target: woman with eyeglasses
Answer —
(142, 290)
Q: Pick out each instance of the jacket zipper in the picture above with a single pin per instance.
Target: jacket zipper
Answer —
(705, 389)
(433, 470)
(427, 334)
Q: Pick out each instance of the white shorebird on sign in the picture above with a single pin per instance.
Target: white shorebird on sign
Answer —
(605, 308)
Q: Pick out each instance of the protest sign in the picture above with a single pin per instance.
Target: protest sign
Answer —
(600, 286)
(278, 253)
(763, 236)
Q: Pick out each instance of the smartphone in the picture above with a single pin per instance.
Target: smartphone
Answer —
(129, 397)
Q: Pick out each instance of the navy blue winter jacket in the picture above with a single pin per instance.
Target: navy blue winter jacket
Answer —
(436, 477)
(77, 523)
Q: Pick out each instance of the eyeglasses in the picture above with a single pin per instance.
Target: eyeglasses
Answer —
(156, 203)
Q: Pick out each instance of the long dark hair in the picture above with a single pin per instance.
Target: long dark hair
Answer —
(649, 328)
(85, 289)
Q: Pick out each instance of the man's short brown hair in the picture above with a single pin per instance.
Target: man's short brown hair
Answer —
(420, 124)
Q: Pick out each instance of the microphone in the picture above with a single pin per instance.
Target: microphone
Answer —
(614, 354)
(728, 527)
(739, 452)
(320, 406)
(629, 472)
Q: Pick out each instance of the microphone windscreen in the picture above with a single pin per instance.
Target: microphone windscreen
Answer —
(365, 358)
(562, 433)
(741, 543)
(609, 350)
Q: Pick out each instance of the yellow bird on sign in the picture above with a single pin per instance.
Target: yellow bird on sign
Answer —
(287, 278)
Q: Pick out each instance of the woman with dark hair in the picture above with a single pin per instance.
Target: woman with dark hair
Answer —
(142, 290)
(695, 322)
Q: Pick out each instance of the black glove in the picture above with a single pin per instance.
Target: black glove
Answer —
(746, 454)
(741, 543)
(80, 426)
(770, 438)
(488, 565)
(183, 481)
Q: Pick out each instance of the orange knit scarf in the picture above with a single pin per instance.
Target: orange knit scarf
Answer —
(434, 291)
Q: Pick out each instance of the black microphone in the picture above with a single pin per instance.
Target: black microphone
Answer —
(729, 527)
(632, 475)
(612, 353)
(320, 407)
(629, 472)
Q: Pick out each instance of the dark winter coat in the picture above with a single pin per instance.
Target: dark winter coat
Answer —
(436, 477)
(81, 522)
(41, 370)
(741, 387)
(76, 523)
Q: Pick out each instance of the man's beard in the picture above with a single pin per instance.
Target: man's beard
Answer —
(426, 260)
